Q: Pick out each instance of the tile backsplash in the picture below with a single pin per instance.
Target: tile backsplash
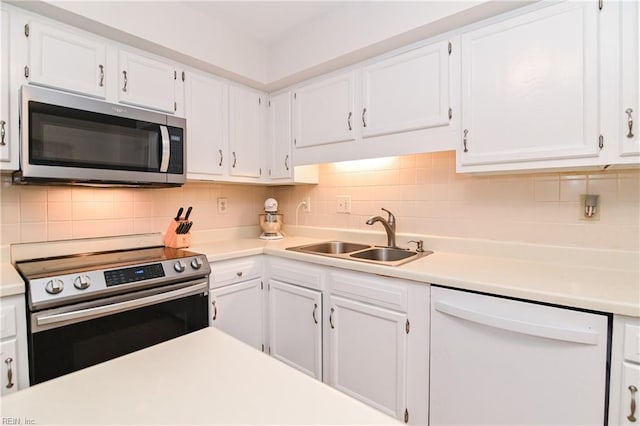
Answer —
(423, 191)
(428, 197)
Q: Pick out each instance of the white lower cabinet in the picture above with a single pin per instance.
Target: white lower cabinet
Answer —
(13, 345)
(496, 361)
(237, 299)
(624, 396)
(295, 327)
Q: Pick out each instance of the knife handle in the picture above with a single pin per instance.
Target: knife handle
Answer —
(186, 216)
(177, 218)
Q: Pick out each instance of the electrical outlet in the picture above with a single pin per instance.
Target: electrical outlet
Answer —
(307, 204)
(223, 205)
(343, 204)
(587, 200)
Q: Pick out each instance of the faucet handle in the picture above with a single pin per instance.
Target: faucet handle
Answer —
(392, 218)
(419, 245)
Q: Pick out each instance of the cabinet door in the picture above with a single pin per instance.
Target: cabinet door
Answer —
(295, 327)
(146, 82)
(630, 114)
(409, 91)
(65, 60)
(280, 136)
(5, 154)
(245, 132)
(324, 111)
(368, 352)
(206, 110)
(9, 367)
(530, 87)
(237, 310)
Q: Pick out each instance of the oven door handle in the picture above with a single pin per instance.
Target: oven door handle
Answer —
(166, 149)
(114, 308)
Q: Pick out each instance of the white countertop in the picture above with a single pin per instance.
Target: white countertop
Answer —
(599, 280)
(206, 377)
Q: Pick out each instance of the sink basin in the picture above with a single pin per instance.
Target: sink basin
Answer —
(362, 252)
(334, 247)
(384, 254)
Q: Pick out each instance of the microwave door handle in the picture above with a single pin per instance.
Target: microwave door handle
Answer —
(166, 149)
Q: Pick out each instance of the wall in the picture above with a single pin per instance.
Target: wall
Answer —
(428, 197)
(41, 213)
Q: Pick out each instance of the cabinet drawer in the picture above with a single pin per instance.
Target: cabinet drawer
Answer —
(7, 321)
(235, 271)
(303, 274)
(8, 380)
(632, 343)
(376, 290)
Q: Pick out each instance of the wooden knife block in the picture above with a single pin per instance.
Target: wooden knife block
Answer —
(171, 239)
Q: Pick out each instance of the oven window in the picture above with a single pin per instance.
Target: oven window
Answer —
(62, 350)
(69, 137)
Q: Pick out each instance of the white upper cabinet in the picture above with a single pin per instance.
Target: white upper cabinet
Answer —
(408, 91)
(630, 111)
(280, 135)
(324, 111)
(530, 90)
(146, 82)
(246, 132)
(207, 118)
(5, 153)
(67, 60)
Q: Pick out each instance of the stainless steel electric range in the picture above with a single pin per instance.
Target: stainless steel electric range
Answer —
(88, 308)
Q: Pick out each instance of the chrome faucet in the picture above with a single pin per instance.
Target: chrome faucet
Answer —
(389, 226)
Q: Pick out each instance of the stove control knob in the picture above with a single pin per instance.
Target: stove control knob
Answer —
(54, 286)
(82, 282)
(196, 263)
(179, 266)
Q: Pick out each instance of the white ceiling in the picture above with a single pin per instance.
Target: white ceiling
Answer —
(265, 21)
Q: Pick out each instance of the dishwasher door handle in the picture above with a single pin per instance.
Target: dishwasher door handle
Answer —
(523, 327)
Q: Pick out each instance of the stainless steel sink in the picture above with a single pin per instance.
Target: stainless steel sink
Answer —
(334, 247)
(362, 252)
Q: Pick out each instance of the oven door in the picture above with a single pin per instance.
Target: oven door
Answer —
(66, 339)
(69, 137)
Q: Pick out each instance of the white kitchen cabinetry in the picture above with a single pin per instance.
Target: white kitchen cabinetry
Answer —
(408, 91)
(500, 361)
(629, 116)
(13, 345)
(624, 396)
(530, 90)
(246, 132)
(63, 59)
(237, 299)
(376, 353)
(146, 82)
(325, 111)
(5, 122)
(207, 116)
(295, 314)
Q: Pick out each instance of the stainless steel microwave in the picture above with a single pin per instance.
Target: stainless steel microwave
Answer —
(70, 139)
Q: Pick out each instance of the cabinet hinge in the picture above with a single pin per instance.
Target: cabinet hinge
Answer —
(600, 4)
(262, 288)
(259, 101)
(601, 142)
(406, 415)
(263, 348)
(295, 141)
(407, 326)
(449, 47)
(26, 71)
(450, 113)
(295, 96)
(175, 74)
(26, 30)
(183, 76)
(269, 104)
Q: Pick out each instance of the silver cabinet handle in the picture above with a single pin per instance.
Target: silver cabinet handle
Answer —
(3, 132)
(364, 121)
(101, 82)
(286, 162)
(464, 140)
(221, 157)
(124, 87)
(331, 318)
(315, 308)
(632, 415)
(629, 111)
(349, 120)
(215, 310)
(10, 383)
(234, 159)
